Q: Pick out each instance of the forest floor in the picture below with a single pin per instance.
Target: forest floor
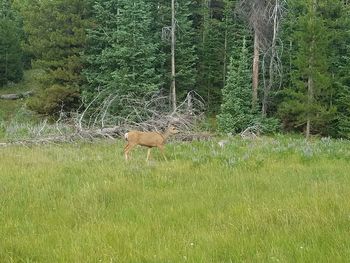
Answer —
(278, 199)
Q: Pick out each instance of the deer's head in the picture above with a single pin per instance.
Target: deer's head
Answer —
(172, 130)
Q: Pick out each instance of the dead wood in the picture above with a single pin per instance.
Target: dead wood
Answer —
(16, 96)
(251, 132)
(96, 120)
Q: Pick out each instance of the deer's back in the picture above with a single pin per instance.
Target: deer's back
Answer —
(149, 139)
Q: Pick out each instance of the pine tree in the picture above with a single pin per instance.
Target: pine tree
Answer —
(56, 38)
(211, 50)
(220, 31)
(186, 57)
(122, 53)
(305, 104)
(342, 96)
(236, 113)
(235, 33)
(338, 20)
(343, 111)
(11, 66)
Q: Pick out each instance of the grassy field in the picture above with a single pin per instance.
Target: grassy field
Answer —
(271, 200)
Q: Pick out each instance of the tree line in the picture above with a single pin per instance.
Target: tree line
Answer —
(280, 64)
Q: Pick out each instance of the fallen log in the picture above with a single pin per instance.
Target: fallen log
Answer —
(11, 96)
(91, 135)
(16, 96)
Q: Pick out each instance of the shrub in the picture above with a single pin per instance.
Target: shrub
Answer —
(55, 99)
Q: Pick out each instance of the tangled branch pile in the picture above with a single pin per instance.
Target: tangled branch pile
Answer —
(251, 132)
(149, 113)
(111, 115)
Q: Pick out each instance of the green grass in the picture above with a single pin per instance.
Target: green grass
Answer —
(16, 120)
(10, 109)
(271, 200)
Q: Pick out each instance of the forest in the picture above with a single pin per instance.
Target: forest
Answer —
(281, 65)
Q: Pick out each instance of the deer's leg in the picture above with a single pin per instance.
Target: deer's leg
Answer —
(148, 154)
(161, 149)
(127, 148)
(125, 151)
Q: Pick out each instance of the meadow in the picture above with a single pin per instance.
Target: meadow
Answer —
(277, 199)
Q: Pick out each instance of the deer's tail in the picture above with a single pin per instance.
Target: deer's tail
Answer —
(126, 136)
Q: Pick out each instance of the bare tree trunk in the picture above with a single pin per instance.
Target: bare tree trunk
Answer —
(226, 15)
(173, 41)
(255, 71)
(6, 66)
(258, 14)
(225, 58)
(268, 87)
(310, 92)
(310, 81)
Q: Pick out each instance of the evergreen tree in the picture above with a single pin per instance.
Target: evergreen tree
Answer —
(236, 113)
(306, 102)
(212, 56)
(338, 20)
(342, 97)
(235, 32)
(11, 66)
(343, 110)
(122, 52)
(56, 32)
(220, 31)
(186, 57)
(56, 37)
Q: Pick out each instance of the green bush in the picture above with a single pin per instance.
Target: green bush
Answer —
(267, 125)
(52, 101)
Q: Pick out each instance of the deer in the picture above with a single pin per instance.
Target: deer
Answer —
(148, 139)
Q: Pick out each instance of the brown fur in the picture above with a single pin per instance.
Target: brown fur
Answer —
(147, 139)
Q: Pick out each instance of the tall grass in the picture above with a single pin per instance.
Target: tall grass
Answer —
(270, 200)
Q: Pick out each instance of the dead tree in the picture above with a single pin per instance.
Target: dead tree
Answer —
(173, 42)
(254, 12)
(274, 12)
(263, 16)
(169, 34)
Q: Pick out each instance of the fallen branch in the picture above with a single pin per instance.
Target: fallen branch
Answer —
(16, 96)
(251, 132)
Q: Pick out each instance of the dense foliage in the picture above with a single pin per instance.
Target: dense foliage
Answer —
(122, 52)
(11, 68)
(236, 111)
(297, 55)
(55, 39)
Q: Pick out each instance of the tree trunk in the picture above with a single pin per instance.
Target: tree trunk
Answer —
(310, 91)
(255, 71)
(268, 87)
(225, 54)
(225, 60)
(310, 81)
(173, 87)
